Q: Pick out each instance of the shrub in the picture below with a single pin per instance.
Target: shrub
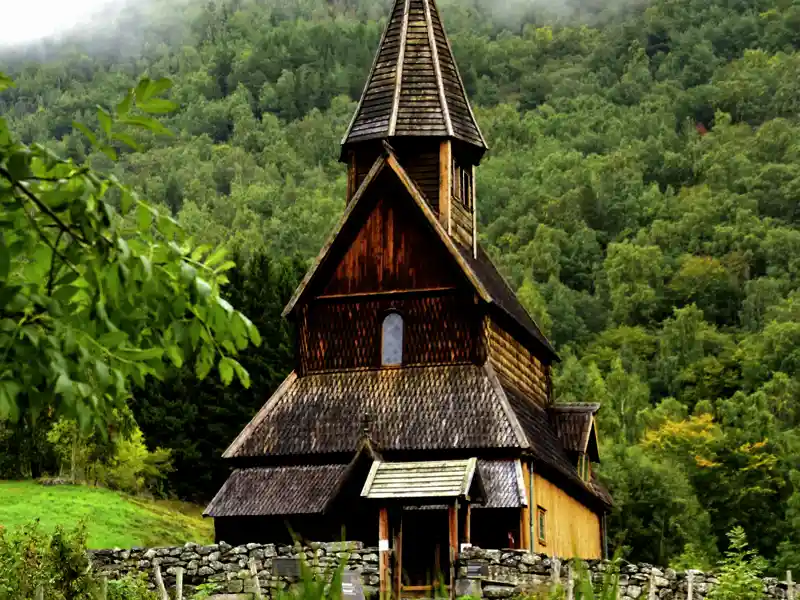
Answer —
(740, 571)
(30, 558)
(130, 587)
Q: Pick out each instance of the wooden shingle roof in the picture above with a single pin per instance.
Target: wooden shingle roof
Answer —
(504, 484)
(422, 480)
(276, 491)
(414, 87)
(432, 408)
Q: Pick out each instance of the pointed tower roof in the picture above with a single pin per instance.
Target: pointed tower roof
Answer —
(414, 87)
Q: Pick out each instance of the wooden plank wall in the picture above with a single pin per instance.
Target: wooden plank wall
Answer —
(422, 165)
(394, 250)
(462, 223)
(515, 363)
(572, 530)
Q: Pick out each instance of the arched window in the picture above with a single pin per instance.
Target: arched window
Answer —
(392, 341)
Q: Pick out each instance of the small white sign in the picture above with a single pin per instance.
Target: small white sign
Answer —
(383, 545)
(465, 547)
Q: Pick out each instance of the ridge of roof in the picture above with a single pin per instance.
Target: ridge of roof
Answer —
(576, 407)
(414, 87)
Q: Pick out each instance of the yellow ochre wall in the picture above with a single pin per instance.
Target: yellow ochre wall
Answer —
(572, 529)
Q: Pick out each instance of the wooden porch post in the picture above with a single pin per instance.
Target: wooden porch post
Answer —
(468, 525)
(525, 538)
(383, 549)
(453, 513)
(398, 559)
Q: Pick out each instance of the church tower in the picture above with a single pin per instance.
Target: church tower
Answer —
(415, 100)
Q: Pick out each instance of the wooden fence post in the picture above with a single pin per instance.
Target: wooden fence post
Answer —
(570, 584)
(789, 586)
(160, 589)
(103, 587)
(38, 593)
(179, 583)
(256, 583)
(689, 585)
(651, 592)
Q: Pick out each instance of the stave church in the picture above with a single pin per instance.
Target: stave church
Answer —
(419, 416)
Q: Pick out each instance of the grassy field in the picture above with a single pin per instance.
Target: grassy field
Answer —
(112, 519)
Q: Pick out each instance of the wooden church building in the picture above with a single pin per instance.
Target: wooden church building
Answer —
(420, 414)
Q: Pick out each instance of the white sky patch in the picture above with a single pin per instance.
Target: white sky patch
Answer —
(31, 20)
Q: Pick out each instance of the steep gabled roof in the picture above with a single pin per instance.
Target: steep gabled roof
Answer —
(576, 427)
(414, 87)
(479, 271)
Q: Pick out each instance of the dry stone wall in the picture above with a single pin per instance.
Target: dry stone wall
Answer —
(228, 566)
(500, 574)
(492, 574)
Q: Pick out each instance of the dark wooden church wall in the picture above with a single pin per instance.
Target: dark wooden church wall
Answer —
(517, 364)
(346, 333)
(394, 250)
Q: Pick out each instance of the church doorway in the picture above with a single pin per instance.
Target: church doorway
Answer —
(424, 553)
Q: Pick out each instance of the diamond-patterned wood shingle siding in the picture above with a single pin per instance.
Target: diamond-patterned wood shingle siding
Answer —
(501, 482)
(414, 88)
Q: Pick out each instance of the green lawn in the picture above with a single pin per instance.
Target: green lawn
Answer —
(112, 519)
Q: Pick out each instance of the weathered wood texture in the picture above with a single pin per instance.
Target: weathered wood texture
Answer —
(414, 88)
(526, 533)
(393, 251)
(346, 334)
(518, 365)
(571, 528)
(420, 159)
(462, 230)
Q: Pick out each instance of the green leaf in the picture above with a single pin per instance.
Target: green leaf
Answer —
(87, 132)
(124, 107)
(175, 355)
(242, 374)
(226, 370)
(19, 165)
(144, 217)
(5, 258)
(105, 120)
(147, 123)
(109, 151)
(141, 89)
(5, 82)
(126, 139)
(158, 106)
(158, 87)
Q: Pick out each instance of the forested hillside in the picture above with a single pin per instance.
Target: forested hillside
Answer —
(642, 194)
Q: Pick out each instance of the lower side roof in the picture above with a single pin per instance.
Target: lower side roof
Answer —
(298, 490)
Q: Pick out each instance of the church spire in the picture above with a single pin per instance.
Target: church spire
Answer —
(414, 88)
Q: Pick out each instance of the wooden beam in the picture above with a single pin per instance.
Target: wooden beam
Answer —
(453, 514)
(351, 176)
(398, 559)
(383, 548)
(468, 525)
(446, 185)
(526, 521)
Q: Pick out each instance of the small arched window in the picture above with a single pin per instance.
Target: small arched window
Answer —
(392, 341)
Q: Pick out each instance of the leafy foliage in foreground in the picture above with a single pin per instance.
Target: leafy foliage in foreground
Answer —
(98, 288)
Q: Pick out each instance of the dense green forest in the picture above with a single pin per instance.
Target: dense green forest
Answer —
(642, 194)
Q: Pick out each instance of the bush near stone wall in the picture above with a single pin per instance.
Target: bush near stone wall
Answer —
(227, 566)
(512, 573)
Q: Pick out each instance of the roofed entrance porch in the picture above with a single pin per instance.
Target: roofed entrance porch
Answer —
(424, 518)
